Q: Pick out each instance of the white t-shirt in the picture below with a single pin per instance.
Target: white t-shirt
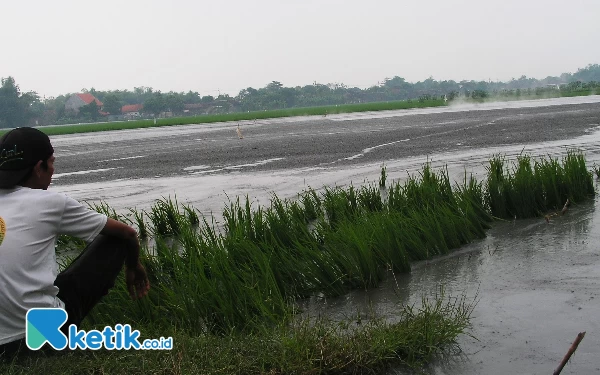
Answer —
(30, 222)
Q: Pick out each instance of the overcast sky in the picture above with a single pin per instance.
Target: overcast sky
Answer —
(61, 46)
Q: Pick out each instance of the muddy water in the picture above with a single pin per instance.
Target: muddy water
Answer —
(536, 283)
(539, 287)
(536, 286)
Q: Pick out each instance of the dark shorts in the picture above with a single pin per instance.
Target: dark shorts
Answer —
(83, 283)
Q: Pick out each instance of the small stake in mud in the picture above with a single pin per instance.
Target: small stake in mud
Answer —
(569, 353)
(565, 207)
(562, 212)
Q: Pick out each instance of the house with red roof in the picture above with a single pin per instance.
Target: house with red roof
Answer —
(132, 111)
(77, 101)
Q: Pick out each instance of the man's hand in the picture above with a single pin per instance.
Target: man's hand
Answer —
(137, 281)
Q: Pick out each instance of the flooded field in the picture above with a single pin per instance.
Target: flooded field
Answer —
(536, 285)
(536, 282)
(204, 164)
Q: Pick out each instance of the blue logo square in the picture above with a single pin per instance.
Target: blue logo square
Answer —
(43, 326)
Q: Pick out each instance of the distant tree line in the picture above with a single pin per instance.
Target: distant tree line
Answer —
(17, 108)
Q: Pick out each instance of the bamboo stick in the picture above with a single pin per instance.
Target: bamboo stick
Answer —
(565, 207)
(569, 353)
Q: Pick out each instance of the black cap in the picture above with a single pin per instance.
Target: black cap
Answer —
(20, 150)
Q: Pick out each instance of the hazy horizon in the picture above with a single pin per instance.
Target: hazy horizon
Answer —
(64, 46)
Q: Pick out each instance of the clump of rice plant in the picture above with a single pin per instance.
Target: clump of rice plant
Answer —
(166, 217)
(497, 187)
(191, 215)
(340, 205)
(526, 195)
(530, 191)
(138, 218)
(105, 209)
(579, 179)
(471, 201)
(383, 177)
(551, 178)
(369, 199)
(312, 204)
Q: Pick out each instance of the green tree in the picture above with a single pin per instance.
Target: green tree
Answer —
(16, 109)
(274, 86)
(174, 103)
(112, 104)
(191, 97)
(155, 104)
(208, 99)
(90, 111)
(588, 74)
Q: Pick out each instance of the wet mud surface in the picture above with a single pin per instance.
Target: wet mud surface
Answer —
(338, 141)
(536, 284)
(205, 165)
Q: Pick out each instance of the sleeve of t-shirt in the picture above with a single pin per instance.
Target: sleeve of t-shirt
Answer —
(80, 221)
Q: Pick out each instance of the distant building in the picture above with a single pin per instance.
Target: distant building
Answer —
(194, 108)
(132, 111)
(77, 101)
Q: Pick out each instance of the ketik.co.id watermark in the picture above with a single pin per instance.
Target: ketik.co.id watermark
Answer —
(44, 326)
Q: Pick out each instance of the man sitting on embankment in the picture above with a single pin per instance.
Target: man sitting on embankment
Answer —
(31, 219)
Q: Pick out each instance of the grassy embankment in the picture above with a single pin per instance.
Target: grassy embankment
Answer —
(241, 116)
(227, 297)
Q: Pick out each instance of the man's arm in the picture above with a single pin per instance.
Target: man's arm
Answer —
(135, 274)
(121, 230)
